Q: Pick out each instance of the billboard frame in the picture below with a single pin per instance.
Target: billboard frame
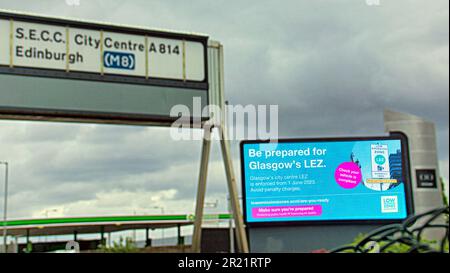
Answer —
(406, 176)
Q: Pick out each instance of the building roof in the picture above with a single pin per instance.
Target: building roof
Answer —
(86, 225)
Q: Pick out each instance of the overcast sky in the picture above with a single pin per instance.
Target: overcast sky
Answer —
(331, 66)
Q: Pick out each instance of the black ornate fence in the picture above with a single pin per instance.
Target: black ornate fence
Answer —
(405, 237)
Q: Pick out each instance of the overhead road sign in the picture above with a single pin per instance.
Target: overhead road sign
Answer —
(54, 68)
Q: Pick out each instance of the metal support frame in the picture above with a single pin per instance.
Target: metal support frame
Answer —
(241, 236)
(5, 209)
(234, 197)
(201, 191)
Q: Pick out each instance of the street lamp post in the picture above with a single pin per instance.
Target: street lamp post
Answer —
(5, 206)
(46, 212)
(162, 212)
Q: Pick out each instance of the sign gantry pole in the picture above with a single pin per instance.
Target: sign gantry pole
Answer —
(241, 235)
(242, 242)
(231, 177)
(201, 190)
(232, 188)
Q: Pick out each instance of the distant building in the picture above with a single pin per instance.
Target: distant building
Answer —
(423, 156)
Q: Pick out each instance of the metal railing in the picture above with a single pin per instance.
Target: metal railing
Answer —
(409, 236)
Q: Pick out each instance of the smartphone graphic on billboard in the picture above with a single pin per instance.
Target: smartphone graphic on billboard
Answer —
(380, 161)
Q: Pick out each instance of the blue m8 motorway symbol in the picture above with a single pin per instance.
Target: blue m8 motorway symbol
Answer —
(119, 60)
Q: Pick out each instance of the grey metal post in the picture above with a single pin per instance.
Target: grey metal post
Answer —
(231, 180)
(201, 190)
(242, 241)
(230, 223)
(162, 229)
(234, 197)
(5, 207)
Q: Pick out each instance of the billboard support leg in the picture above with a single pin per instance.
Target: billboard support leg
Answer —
(232, 188)
(201, 190)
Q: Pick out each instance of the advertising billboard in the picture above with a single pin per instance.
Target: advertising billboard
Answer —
(326, 180)
(57, 68)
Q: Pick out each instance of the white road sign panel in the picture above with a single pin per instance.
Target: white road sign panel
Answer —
(47, 46)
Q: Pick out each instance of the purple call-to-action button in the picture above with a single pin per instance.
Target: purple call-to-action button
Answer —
(287, 211)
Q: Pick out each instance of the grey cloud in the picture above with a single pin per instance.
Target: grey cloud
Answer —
(331, 66)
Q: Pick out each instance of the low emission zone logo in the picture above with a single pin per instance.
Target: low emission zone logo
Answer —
(119, 60)
(389, 204)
